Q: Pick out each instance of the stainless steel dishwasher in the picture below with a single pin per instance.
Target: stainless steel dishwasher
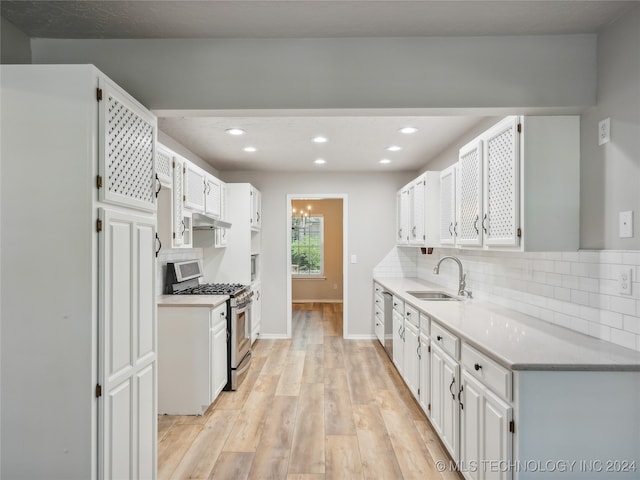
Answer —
(388, 323)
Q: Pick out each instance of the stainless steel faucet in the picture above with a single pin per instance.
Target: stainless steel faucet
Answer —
(461, 276)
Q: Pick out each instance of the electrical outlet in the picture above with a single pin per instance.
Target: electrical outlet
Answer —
(604, 131)
(624, 281)
(625, 227)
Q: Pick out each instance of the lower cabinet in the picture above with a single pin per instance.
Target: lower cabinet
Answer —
(484, 431)
(445, 381)
(398, 342)
(424, 397)
(192, 358)
(256, 311)
(411, 361)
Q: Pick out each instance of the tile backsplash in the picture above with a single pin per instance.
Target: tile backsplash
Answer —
(577, 290)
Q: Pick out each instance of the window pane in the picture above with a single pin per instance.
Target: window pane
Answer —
(307, 245)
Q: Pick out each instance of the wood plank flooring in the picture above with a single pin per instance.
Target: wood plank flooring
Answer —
(313, 407)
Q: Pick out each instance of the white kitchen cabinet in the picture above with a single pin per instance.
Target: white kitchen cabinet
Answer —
(448, 224)
(182, 224)
(445, 379)
(192, 358)
(212, 196)
(221, 235)
(164, 165)
(378, 312)
(194, 187)
(78, 364)
(485, 434)
(398, 339)
(424, 357)
(256, 311)
(411, 355)
(518, 187)
(218, 351)
(256, 208)
(469, 206)
(402, 217)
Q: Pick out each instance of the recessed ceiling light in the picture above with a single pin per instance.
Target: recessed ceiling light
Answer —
(385, 160)
(320, 161)
(394, 148)
(320, 139)
(235, 131)
(250, 149)
(408, 130)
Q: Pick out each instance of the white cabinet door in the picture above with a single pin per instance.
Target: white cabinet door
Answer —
(127, 333)
(417, 212)
(448, 206)
(425, 373)
(126, 149)
(501, 153)
(402, 217)
(181, 224)
(469, 194)
(212, 192)
(222, 234)
(164, 165)
(398, 342)
(218, 350)
(444, 403)
(256, 208)
(193, 187)
(484, 431)
(256, 311)
(411, 360)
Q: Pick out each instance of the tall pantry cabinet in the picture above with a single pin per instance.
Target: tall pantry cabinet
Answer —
(78, 277)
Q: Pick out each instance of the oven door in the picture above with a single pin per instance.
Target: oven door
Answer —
(240, 343)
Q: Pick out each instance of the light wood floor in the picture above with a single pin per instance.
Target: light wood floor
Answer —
(313, 407)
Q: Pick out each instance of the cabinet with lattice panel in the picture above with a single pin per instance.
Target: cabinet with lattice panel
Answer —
(194, 187)
(181, 217)
(164, 168)
(127, 138)
(469, 203)
(529, 195)
(448, 224)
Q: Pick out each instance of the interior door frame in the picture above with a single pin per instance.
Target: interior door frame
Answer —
(345, 244)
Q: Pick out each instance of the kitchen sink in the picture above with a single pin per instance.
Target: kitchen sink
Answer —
(434, 296)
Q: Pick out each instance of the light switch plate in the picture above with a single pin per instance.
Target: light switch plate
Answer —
(604, 131)
(626, 224)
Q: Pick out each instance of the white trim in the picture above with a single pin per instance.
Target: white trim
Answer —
(345, 249)
(361, 336)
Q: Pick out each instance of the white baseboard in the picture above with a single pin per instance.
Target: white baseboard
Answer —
(317, 301)
(273, 336)
(361, 336)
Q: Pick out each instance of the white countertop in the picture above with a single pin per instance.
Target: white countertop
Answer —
(210, 301)
(515, 340)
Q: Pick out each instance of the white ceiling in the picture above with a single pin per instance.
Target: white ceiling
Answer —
(356, 143)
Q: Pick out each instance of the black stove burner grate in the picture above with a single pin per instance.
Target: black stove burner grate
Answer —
(212, 289)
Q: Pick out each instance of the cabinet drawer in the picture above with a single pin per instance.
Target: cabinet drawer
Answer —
(445, 339)
(379, 315)
(398, 305)
(412, 315)
(377, 289)
(490, 373)
(378, 300)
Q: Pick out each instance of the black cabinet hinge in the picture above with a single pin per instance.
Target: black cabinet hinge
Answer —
(429, 348)
(429, 407)
(519, 128)
(418, 392)
(512, 426)
(99, 94)
(98, 391)
(99, 181)
(98, 225)
(519, 232)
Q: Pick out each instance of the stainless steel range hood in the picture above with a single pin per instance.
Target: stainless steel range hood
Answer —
(205, 222)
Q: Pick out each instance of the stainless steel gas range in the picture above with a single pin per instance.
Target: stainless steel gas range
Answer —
(184, 278)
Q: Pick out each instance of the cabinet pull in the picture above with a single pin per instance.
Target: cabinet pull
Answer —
(455, 229)
(258, 217)
(484, 219)
(450, 227)
(159, 244)
(459, 400)
(439, 337)
(475, 224)
(477, 367)
(184, 228)
(419, 352)
(159, 185)
(413, 232)
(258, 296)
(453, 395)
(400, 233)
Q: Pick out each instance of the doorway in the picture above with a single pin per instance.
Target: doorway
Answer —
(317, 252)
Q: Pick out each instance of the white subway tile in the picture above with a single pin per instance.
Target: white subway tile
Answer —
(571, 256)
(589, 256)
(609, 256)
(579, 269)
(631, 323)
(623, 338)
(589, 313)
(588, 284)
(580, 325)
(623, 305)
(631, 258)
(600, 331)
(554, 279)
(571, 281)
(561, 293)
(599, 301)
(611, 319)
(562, 267)
(580, 297)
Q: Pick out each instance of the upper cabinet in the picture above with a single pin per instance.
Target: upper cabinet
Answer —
(418, 211)
(164, 166)
(515, 187)
(212, 196)
(194, 187)
(256, 208)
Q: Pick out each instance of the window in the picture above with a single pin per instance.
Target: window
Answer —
(307, 246)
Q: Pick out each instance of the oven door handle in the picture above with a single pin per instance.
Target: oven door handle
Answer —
(247, 361)
(243, 307)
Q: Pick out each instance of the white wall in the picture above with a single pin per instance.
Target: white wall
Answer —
(372, 210)
(610, 174)
(507, 71)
